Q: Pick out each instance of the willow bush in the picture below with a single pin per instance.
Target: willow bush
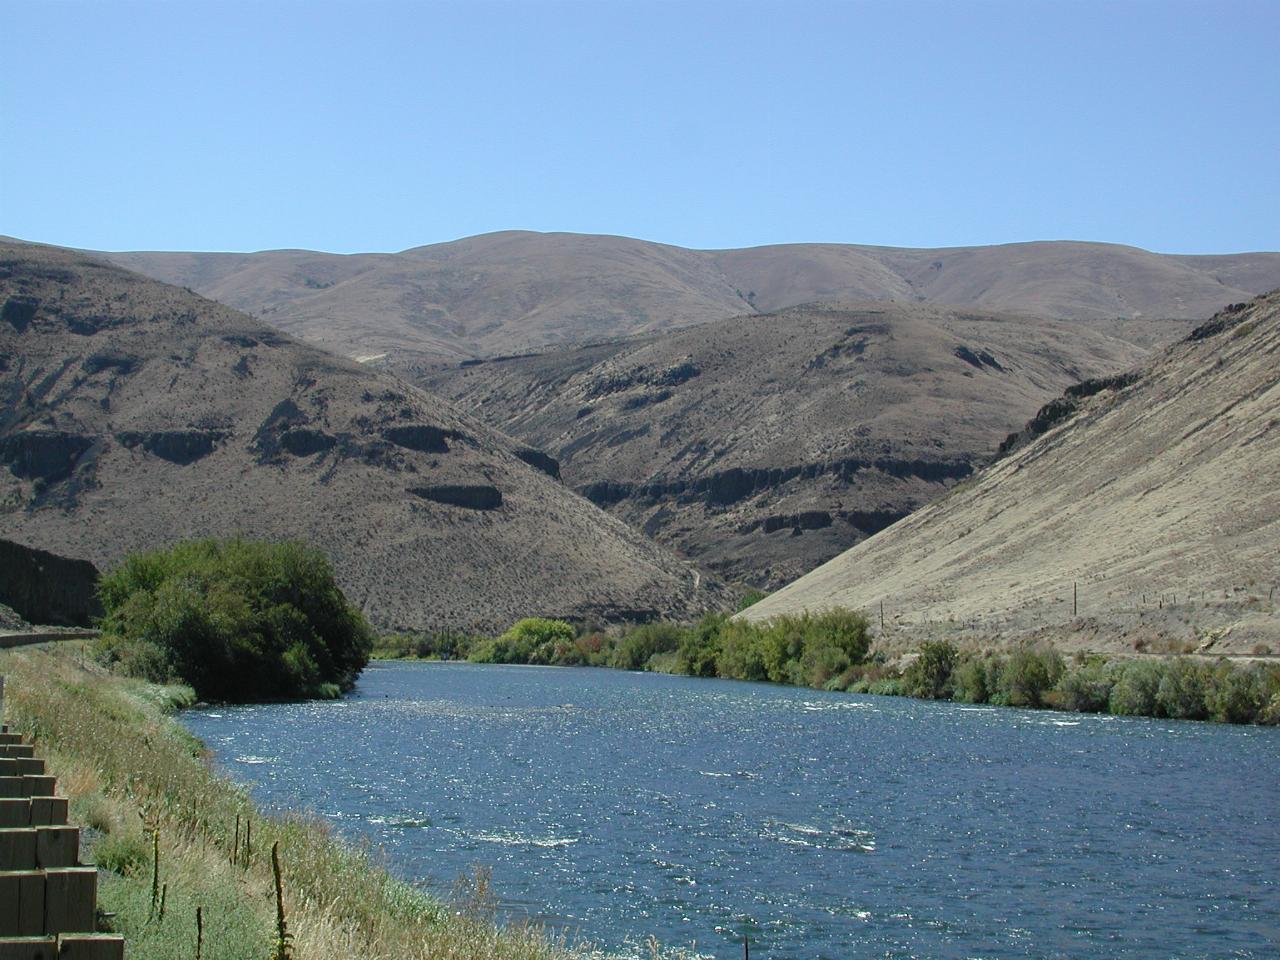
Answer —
(237, 620)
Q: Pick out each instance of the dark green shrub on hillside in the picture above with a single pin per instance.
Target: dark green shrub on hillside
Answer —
(1136, 687)
(832, 642)
(1235, 694)
(1026, 676)
(532, 640)
(973, 679)
(886, 687)
(641, 643)
(781, 643)
(698, 651)
(929, 676)
(1085, 689)
(1181, 691)
(807, 649)
(237, 620)
(750, 599)
(1270, 712)
(741, 655)
(440, 645)
(820, 664)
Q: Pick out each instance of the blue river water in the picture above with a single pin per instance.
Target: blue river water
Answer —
(616, 806)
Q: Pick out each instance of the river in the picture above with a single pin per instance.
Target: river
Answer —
(614, 806)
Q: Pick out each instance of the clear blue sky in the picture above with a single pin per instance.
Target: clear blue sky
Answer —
(380, 125)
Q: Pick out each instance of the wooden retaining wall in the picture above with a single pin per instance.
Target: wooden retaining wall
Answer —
(48, 898)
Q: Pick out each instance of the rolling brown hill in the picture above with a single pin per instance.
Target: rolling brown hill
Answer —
(513, 292)
(763, 445)
(133, 414)
(1159, 497)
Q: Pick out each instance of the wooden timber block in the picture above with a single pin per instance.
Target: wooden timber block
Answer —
(9, 767)
(30, 766)
(91, 946)
(13, 787)
(9, 737)
(17, 848)
(15, 812)
(57, 847)
(28, 948)
(17, 750)
(21, 904)
(38, 786)
(70, 900)
(48, 811)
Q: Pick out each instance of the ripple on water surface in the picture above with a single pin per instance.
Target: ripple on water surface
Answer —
(617, 805)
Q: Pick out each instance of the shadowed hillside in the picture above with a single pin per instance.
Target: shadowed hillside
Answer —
(763, 445)
(512, 292)
(133, 414)
(1158, 494)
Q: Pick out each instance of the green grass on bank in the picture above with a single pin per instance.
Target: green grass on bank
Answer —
(130, 769)
(832, 650)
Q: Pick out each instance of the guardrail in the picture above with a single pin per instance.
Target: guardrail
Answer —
(8, 640)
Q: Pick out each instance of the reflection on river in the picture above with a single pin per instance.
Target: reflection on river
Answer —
(620, 805)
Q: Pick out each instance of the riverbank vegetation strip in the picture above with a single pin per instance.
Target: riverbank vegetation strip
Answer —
(833, 650)
(157, 817)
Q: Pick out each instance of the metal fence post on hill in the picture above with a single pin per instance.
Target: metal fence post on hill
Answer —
(1, 698)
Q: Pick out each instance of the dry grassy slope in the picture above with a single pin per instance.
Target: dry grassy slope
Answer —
(505, 293)
(1166, 490)
(494, 294)
(134, 413)
(762, 446)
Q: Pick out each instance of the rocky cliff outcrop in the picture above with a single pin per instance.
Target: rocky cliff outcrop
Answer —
(734, 440)
(47, 589)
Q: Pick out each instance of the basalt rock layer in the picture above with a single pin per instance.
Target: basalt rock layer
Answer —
(761, 446)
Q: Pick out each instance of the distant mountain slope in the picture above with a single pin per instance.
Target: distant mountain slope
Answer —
(498, 293)
(512, 292)
(134, 413)
(1160, 498)
(763, 445)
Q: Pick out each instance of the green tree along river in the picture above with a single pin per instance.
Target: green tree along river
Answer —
(617, 805)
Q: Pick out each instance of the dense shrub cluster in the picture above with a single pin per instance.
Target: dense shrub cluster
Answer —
(1179, 688)
(929, 677)
(237, 620)
(831, 651)
(640, 647)
(534, 640)
(439, 645)
(809, 649)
